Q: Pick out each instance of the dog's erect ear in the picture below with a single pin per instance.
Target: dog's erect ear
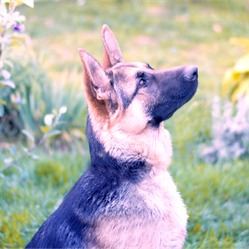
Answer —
(96, 83)
(111, 52)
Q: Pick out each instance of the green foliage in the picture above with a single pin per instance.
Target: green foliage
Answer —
(8, 19)
(29, 196)
(36, 96)
(31, 100)
(65, 94)
(236, 79)
(30, 77)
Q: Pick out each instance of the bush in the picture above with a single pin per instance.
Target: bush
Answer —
(230, 131)
(11, 28)
(36, 95)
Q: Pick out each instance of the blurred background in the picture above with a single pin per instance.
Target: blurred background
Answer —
(43, 148)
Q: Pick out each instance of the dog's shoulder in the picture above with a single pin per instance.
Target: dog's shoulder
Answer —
(64, 228)
(95, 195)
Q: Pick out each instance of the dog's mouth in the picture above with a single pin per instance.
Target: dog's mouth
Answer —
(165, 110)
(191, 93)
(179, 85)
(181, 99)
(169, 115)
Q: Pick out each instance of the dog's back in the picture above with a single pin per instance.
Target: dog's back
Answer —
(127, 198)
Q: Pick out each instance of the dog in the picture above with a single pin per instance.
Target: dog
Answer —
(127, 198)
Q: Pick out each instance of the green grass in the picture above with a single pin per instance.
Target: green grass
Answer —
(164, 35)
(30, 196)
(217, 198)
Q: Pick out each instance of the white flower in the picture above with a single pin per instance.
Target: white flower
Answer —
(63, 109)
(48, 119)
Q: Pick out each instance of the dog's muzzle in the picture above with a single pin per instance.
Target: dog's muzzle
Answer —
(190, 73)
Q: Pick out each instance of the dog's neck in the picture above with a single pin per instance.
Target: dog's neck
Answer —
(152, 145)
(118, 150)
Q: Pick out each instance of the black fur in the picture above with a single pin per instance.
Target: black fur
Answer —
(132, 171)
(104, 189)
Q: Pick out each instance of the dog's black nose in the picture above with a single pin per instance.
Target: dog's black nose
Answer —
(190, 73)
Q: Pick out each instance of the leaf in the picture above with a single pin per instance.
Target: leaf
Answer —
(229, 80)
(20, 38)
(30, 3)
(1, 109)
(63, 109)
(240, 90)
(52, 133)
(242, 66)
(13, 150)
(45, 129)
(16, 43)
(230, 75)
(3, 102)
(8, 83)
(28, 134)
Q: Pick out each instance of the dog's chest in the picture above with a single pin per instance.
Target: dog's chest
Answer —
(153, 217)
(162, 199)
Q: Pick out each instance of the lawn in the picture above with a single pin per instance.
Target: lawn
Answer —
(164, 34)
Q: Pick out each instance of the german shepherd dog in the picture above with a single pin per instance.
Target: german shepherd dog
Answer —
(127, 198)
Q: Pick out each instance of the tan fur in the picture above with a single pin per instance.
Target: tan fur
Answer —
(111, 51)
(160, 194)
(158, 191)
(163, 227)
(125, 135)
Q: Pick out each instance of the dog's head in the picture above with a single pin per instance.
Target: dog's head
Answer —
(128, 101)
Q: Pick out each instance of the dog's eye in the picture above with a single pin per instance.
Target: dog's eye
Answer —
(142, 82)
